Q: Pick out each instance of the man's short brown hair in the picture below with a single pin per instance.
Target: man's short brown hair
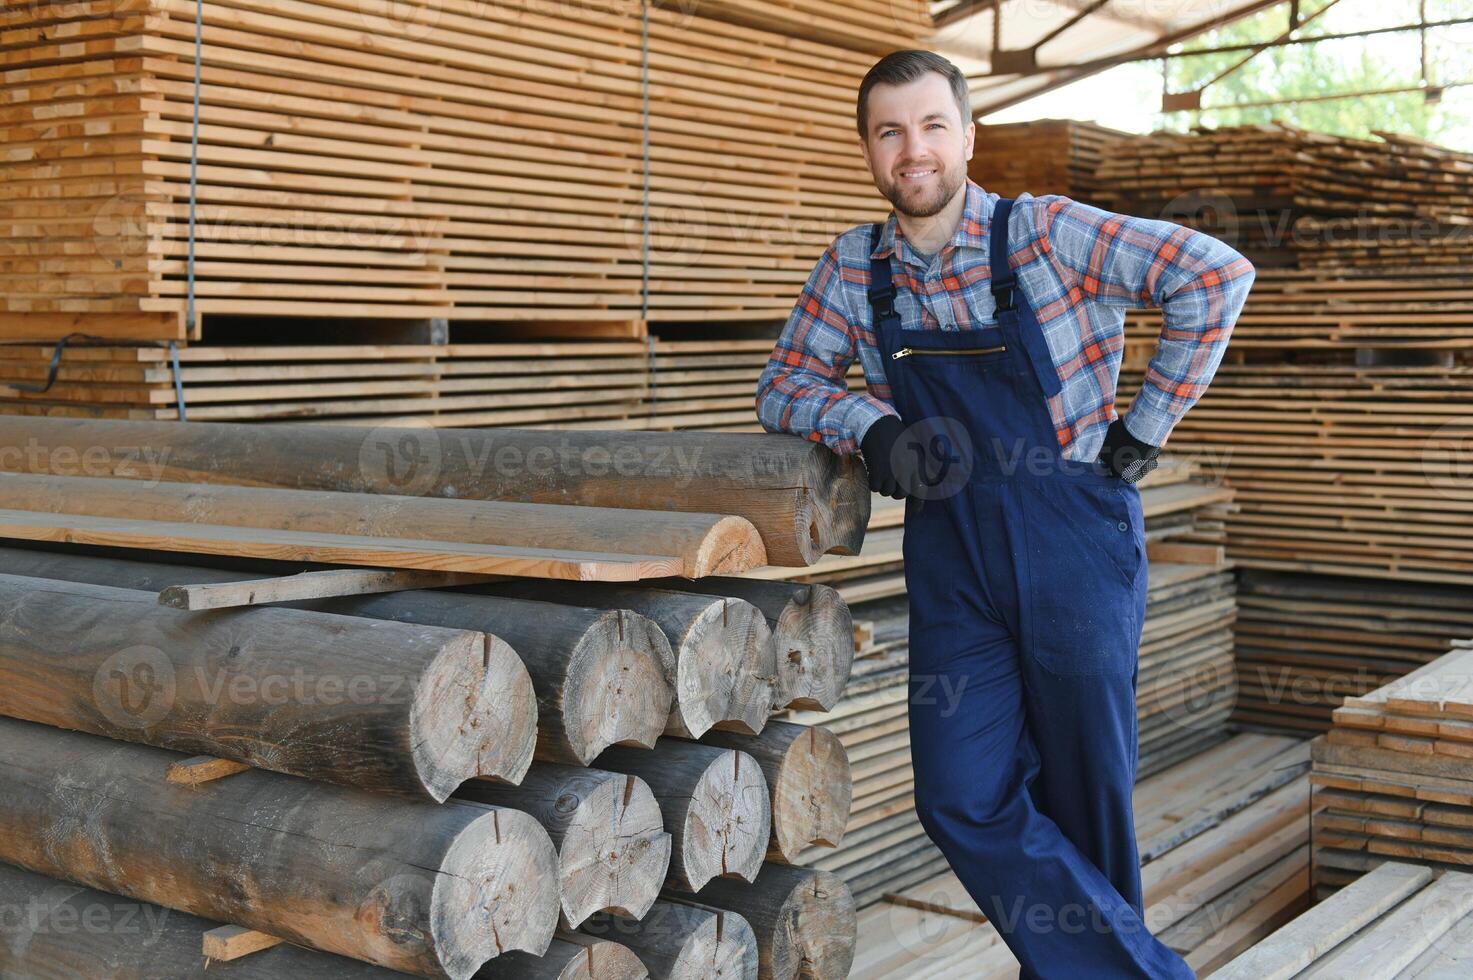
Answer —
(902, 67)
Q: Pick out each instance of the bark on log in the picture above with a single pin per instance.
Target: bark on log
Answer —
(613, 850)
(804, 921)
(812, 632)
(706, 544)
(684, 940)
(572, 956)
(725, 662)
(55, 930)
(715, 803)
(808, 778)
(432, 889)
(390, 707)
(601, 678)
(804, 499)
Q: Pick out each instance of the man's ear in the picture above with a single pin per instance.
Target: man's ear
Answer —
(864, 151)
(969, 135)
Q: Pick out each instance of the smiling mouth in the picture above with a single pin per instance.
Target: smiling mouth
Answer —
(919, 174)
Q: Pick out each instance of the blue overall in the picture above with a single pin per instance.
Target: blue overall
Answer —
(1027, 582)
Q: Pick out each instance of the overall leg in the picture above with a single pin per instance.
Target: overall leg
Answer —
(974, 759)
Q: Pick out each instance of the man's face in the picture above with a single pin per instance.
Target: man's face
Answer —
(917, 145)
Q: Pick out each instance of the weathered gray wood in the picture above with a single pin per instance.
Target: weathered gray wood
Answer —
(703, 544)
(685, 940)
(433, 889)
(1392, 943)
(308, 585)
(804, 499)
(55, 930)
(572, 956)
(1295, 946)
(613, 850)
(808, 779)
(600, 677)
(804, 921)
(812, 631)
(386, 707)
(725, 664)
(715, 803)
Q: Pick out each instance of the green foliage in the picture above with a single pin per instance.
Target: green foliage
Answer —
(1335, 66)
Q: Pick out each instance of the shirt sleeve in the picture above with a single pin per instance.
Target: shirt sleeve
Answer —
(802, 390)
(1199, 283)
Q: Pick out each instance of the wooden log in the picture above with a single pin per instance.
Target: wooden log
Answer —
(392, 708)
(685, 940)
(808, 779)
(572, 956)
(57, 929)
(600, 678)
(613, 851)
(724, 653)
(704, 544)
(804, 921)
(811, 629)
(804, 499)
(715, 803)
(432, 889)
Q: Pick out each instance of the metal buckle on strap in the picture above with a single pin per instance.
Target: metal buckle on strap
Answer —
(1004, 297)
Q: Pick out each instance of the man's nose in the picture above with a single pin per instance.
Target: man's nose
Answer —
(915, 145)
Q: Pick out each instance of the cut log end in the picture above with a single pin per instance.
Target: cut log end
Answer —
(614, 853)
(476, 717)
(814, 650)
(496, 891)
(729, 821)
(726, 671)
(811, 794)
(618, 690)
(572, 956)
(841, 501)
(733, 546)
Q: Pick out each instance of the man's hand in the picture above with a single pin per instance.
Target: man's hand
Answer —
(1125, 455)
(880, 458)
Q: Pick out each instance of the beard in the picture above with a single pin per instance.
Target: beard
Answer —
(922, 202)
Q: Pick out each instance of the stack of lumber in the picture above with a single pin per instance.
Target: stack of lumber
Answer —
(1305, 642)
(1400, 922)
(1224, 848)
(1045, 156)
(1185, 688)
(330, 185)
(549, 775)
(1286, 197)
(874, 26)
(1393, 777)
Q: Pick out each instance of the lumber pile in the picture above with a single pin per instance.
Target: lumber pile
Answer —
(1288, 197)
(1392, 777)
(1400, 921)
(1044, 156)
(1305, 642)
(527, 776)
(331, 186)
(1224, 849)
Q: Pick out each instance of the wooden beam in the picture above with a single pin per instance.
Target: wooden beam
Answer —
(232, 942)
(308, 585)
(202, 769)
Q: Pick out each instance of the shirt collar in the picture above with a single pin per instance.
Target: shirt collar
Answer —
(971, 232)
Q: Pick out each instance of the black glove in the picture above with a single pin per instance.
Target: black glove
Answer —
(1125, 455)
(878, 449)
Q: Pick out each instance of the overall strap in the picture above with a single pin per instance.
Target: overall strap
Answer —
(1009, 297)
(881, 287)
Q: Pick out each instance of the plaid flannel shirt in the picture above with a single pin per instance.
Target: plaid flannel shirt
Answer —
(1079, 266)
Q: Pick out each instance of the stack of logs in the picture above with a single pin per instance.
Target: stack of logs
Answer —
(345, 773)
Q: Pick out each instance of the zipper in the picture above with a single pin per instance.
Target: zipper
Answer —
(907, 351)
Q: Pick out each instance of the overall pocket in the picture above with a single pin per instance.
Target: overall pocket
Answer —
(1086, 568)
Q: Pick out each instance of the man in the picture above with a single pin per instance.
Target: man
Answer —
(990, 333)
